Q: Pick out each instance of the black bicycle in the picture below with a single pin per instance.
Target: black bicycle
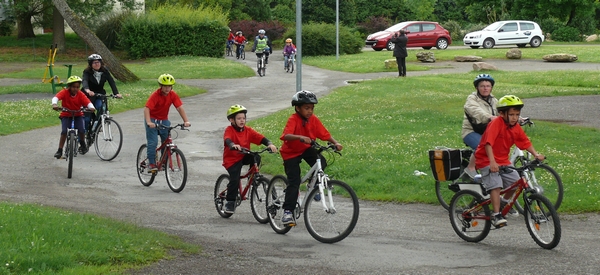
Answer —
(72, 140)
(104, 132)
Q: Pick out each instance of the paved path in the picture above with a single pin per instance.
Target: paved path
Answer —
(389, 238)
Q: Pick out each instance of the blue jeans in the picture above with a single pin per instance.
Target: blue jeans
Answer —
(472, 140)
(88, 116)
(152, 138)
(285, 60)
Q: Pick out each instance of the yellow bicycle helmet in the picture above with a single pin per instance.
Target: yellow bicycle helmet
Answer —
(509, 101)
(166, 79)
(235, 109)
(289, 40)
(73, 79)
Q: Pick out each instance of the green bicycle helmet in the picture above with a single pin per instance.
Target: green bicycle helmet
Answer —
(73, 79)
(166, 79)
(509, 101)
(482, 77)
(235, 109)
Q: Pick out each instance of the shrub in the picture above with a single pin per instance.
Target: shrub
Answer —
(274, 29)
(456, 32)
(374, 24)
(567, 34)
(175, 30)
(319, 39)
(6, 27)
(549, 25)
(109, 29)
(475, 27)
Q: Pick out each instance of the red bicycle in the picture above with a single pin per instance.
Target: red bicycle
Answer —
(470, 212)
(169, 158)
(258, 192)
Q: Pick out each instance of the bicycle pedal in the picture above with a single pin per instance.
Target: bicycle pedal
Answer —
(290, 224)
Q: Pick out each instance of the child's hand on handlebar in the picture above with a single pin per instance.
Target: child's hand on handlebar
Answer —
(272, 148)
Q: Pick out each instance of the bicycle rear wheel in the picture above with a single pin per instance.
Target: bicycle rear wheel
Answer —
(220, 194)
(176, 170)
(469, 219)
(275, 200)
(71, 149)
(258, 199)
(547, 182)
(542, 221)
(338, 221)
(444, 193)
(109, 140)
(141, 165)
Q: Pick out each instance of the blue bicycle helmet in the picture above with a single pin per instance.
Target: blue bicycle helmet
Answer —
(482, 77)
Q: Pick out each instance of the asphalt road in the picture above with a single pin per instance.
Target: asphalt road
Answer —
(388, 239)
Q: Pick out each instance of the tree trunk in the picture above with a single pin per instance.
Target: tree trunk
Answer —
(119, 71)
(24, 27)
(58, 31)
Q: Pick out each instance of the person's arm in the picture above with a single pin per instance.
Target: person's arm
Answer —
(231, 145)
(537, 155)
(85, 84)
(181, 111)
(55, 103)
(147, 118)
(490, 153)
(254, 45)
(338, 146)
(303, 139)
(266, 142)
(113, 85)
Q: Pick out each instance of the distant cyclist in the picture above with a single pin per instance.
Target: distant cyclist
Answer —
(239, 41)
(288, 50)
(94, 78)
(262, 45)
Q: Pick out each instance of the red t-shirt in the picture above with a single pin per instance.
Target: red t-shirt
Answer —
(243, 138)
(231, 36)
(240, 39)
(72, 102)
(159, 104)
(296, 125)
(501, 138)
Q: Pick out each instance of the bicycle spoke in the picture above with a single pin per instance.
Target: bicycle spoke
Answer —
(109, 139)
(469, 220)
(176, 170)
(542, 221)
(275, 200)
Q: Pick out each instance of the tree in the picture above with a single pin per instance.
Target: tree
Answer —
(117, 69)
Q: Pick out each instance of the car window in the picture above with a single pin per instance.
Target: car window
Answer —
(493, 26)
(414, 28)
(510, 27)
(396, 27)
(428, 27)
(526, 26)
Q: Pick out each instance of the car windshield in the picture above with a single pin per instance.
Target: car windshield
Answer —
(397, 27)
(493, 26)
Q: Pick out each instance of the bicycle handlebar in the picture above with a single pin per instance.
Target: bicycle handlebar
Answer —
(250, 152)
(528, 165)
(181, 126)
(525, 121)
(85, 110)
(320, 148)
(105, 96)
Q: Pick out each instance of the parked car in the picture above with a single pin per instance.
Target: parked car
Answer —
(510, 32)
(420, 34)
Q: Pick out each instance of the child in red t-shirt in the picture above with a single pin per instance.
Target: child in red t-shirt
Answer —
(240, 42)
(301, 129)
(72, 98)
(238, 136)
(157, 112)
(494, 149)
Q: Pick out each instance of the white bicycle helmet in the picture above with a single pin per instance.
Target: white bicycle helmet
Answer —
(261, 31)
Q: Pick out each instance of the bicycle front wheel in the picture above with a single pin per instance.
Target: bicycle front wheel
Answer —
(243, 55)
(141, 165)
(336, 220)
(176, 170)
(109, 140)
(258, 199)
(71, 149)
(291, 66)
(220, 195)
(547, 183)
(469, 219)
(275, 200)
(542, 221)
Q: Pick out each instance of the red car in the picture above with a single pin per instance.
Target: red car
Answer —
(420, 34)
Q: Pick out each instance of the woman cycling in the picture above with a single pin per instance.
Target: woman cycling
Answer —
(94, 77)
(480, 109)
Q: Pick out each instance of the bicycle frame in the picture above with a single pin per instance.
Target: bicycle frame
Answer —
(165, 149)
(317, 177)
(252, 173)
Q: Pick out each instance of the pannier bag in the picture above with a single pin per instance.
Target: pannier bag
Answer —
(445, 164)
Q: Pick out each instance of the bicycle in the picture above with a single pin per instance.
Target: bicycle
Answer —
(469, 208)
(260, 64)
(241, 52)
(228, 50)
(105, 133)
(289, 66)
(326, 221)
(257, 181)
(541, 177)
(72, 140)
(169, 158)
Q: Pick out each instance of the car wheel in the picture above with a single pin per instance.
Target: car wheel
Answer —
(442, 44)
(377, 49)
(427, 48)
(474, 47)
(535, 42)
(488, 43)
(390, 46)
(521, 45)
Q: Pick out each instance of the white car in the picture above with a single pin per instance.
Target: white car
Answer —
(510, 32)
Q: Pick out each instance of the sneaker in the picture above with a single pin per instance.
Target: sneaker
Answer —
(152, 168)
(58, 153)
(471, 173)
(498, 221)
(288, 218)
(229, 207)
(511, 212)
(317, 197)
(83, 149)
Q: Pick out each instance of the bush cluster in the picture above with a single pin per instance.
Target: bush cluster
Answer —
(175, 30)
(6, 27)
(109, 30)
(373, 24)
(567, 34)
(456, 32)
(274, 29)
(319, 39)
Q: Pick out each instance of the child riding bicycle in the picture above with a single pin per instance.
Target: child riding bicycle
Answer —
(240, 42)
(157, 112)
(301, 129)
(288, 50)
(238, 136)
(73, 99)
(493, 151)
